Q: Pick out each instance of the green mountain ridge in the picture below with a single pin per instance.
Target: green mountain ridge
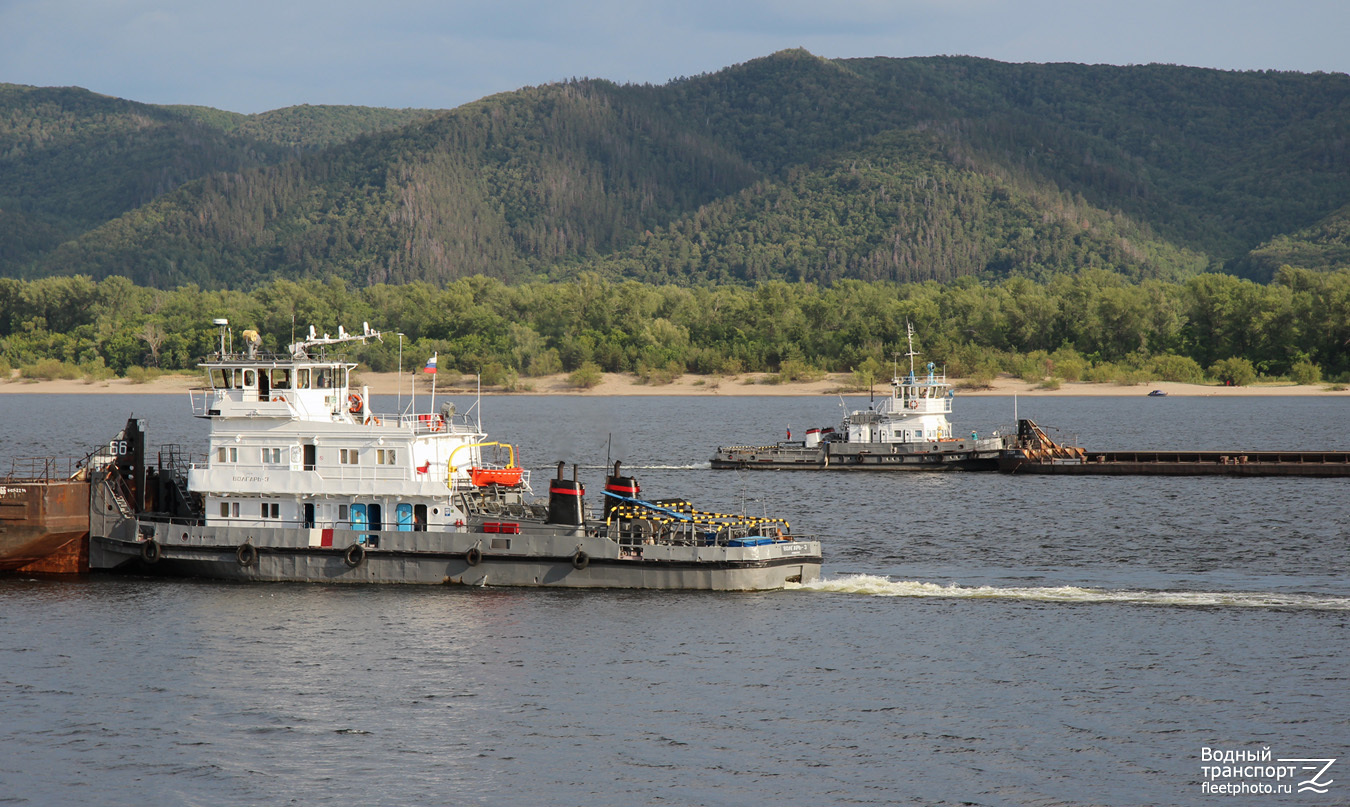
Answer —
(788, 167)
(71, 160)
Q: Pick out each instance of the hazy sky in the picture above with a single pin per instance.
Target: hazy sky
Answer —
(255, 55)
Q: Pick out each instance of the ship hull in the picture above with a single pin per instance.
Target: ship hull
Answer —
(947, 455)
(391, 557)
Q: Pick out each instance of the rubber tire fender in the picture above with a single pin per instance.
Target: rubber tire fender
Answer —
(580, 560)
(354, 555)
(150, 551)
(246, 554)
(474, 556)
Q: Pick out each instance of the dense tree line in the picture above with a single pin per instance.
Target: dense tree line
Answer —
(1092, 325)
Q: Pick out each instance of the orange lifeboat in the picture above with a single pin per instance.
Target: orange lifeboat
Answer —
(481, 477)
(508, 475)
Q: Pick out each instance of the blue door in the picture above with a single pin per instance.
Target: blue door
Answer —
(405, 517)
(358, 516)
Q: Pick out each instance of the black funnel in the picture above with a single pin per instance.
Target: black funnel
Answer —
(565, 504)
(625, 486)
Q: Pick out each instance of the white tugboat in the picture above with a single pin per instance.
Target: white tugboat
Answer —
(908, 431)
(303, 481)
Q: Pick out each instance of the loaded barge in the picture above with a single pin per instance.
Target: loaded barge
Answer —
(1033, 452)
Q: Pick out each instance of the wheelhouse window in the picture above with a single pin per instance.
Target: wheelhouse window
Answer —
(385, 456)
(227, 454)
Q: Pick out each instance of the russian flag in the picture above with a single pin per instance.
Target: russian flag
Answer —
(431, 365)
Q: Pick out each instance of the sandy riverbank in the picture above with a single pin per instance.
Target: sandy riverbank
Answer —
(615, 384)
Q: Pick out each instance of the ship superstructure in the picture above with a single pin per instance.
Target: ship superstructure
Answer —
(285, 426)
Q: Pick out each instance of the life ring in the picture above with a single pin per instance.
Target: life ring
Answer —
(437, 423)
(246, 554)
(474, 556)
(374, 420)
(354, 404)
(580, 560)
(150, 551)
(278, 399)
(913, 404)
(354, 555)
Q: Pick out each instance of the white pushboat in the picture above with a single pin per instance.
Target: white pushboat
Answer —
(304, 481)
(907, 431)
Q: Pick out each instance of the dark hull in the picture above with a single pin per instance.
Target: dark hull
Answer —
(39, 518)
(956, 455)
(708, 569)
(1186, 463)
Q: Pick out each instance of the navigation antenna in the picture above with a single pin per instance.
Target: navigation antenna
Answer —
(911, 354)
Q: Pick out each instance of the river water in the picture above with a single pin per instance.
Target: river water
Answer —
(977, 639)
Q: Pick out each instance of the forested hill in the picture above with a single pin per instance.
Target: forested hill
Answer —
(71, 160)
(788, 167)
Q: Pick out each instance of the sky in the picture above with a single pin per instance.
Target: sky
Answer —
(255, 55)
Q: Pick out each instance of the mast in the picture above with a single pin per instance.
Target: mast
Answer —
(911, 354)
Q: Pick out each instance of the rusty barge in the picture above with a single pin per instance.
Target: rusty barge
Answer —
(44, 519)
(47, 505)
(1034, 452)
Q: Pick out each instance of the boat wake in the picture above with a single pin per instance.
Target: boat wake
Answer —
(885, 587)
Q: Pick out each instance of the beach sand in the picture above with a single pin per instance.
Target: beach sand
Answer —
(616, 384)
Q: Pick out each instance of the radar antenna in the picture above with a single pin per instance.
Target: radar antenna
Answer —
(300, 349)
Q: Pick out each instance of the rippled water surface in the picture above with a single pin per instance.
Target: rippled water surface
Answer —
(978, 639)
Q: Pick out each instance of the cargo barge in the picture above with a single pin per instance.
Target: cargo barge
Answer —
(44, 518)
(1034, 452)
